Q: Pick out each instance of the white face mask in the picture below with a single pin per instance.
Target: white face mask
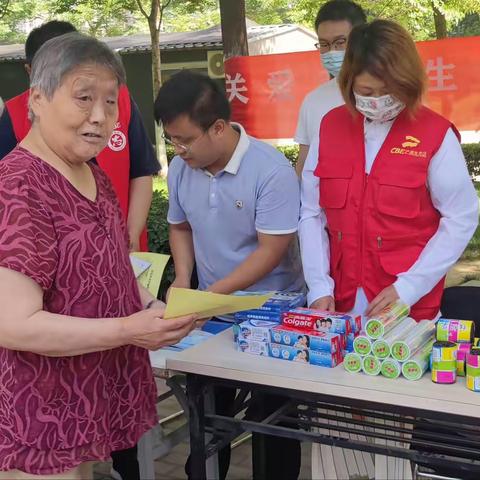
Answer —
(380, 109)
(332, 61)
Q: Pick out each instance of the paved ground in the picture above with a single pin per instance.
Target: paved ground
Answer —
(463, 271)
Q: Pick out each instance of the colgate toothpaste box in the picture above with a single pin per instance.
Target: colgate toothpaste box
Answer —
(313, 340)
(313, 357)
(342, 338)
(310, 319)
(349, 341)
(272, 309)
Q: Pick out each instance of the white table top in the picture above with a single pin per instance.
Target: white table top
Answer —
(158, 360)
(217, 357)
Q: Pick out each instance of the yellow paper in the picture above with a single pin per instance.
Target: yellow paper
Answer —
(183, 301)
(152, 276)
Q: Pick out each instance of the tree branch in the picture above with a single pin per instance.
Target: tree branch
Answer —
(4, 10)
(162, 11)
(140, 6)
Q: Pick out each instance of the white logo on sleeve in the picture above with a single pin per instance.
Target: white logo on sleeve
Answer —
(117, 141)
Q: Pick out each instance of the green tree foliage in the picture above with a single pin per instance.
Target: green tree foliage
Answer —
(4, 4)
(188, 15)
(416, 15)
(467, 26)
(16, 18)
(100, 19)
(425, 19)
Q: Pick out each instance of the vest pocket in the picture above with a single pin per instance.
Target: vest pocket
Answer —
(399, 200)
(334, 181)
(333, 192)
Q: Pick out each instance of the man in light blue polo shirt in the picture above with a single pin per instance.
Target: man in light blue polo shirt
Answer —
(234, 208)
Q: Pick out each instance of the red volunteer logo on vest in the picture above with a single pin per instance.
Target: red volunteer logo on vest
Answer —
(118, 140)
(409, 143)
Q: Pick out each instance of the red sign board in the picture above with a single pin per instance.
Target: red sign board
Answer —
(266, 91)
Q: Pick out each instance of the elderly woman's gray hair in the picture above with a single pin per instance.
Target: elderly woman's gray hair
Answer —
(61, 55)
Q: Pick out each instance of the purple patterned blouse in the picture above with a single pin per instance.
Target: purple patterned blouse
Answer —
(57, 412)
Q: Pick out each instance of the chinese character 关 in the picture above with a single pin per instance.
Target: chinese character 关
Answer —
(235, 87)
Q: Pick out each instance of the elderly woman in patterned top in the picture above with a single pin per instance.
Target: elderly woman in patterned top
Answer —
(75, 378)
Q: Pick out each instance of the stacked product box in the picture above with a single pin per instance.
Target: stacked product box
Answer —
(314, 340)
(260, 337)
(455, 354)
(273, 309)
(308, 320)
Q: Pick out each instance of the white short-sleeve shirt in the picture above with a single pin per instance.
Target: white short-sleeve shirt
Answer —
(315, 105)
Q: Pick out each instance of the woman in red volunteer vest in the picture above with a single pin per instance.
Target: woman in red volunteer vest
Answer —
(388, 205)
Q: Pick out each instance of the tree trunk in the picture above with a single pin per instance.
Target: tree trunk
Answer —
(156, 58)
(154, 23)
(440, 22)
(234, 29)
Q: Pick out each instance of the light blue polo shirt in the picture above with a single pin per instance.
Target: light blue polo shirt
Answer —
(257, 191)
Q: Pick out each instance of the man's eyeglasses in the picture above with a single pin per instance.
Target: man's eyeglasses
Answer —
(185, 149)
(324, 47)
(180, 147)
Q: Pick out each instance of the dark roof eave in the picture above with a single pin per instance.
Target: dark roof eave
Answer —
(139, 48)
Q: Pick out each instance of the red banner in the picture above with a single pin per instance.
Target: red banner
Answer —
(266, 91)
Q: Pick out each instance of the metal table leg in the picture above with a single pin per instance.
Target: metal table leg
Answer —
(196, 407)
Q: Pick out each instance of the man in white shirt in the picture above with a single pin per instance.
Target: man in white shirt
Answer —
(333, 24)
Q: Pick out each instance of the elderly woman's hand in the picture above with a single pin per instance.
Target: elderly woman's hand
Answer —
(148, 329)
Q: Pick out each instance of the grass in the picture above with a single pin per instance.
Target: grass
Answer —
(160, 184)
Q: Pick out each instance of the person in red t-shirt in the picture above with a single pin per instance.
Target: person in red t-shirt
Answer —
(128, 160)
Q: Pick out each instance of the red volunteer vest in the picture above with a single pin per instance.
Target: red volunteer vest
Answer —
(378, 224)
(113, 159)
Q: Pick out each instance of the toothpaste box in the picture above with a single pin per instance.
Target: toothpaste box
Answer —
(355, 321)
(279, 301)
(258, 330)
(349, 341)
(253, 347)
(247, 315)
(312, 357)
(313, 340)
(309, 319)
(342, 338)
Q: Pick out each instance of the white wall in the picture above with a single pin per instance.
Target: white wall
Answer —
(294, 41)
